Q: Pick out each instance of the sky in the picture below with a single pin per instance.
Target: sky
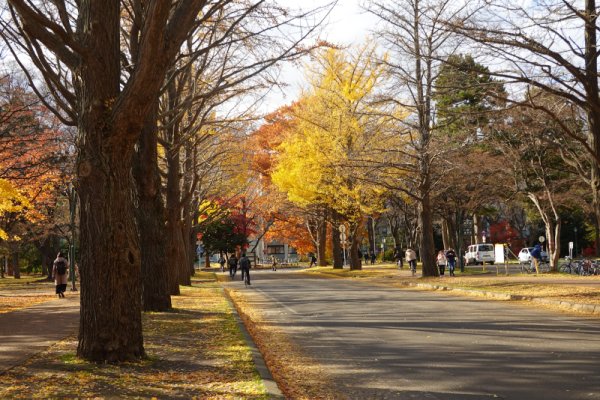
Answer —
(346, 25)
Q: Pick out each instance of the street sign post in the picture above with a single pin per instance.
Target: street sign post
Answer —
(571, 250)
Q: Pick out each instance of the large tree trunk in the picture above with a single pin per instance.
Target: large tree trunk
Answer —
(371, 234)
(150, 220)
(427, 246)
(322, 242)
(189, 241)
(356, 236)
(175, 247)
(14, 249)
(338, 255)
(175, 253)
(111, 326)
(593, 99)
(458, 226)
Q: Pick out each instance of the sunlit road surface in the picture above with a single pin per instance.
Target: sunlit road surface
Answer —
(387, 343)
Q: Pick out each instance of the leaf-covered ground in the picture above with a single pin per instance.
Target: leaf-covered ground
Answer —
(11, 303)
(195, 351)
(24, 292)
(298, 376)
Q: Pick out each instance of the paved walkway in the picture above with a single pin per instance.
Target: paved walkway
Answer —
(26, 332)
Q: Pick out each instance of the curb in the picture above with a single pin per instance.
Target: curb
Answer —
(270, 385)
(580, 307)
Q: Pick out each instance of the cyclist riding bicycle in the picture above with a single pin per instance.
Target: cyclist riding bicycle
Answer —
(411, 258)
(536, 258)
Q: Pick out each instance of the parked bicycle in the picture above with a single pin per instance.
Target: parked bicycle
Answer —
(580, 267)
(570, 267)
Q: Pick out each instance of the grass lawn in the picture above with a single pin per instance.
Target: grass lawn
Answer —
(195, 351)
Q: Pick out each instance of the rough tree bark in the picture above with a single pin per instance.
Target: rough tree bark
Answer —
(338, 259)
(150, 219)
(322, 241)
(356, 231)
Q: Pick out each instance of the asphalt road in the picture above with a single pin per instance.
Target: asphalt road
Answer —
(387, 343)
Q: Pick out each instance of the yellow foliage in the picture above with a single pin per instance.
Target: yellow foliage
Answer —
(11, 201)
(324, 159)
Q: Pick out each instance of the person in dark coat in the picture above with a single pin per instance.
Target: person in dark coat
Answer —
(245, 267)
(233, 264)
(451, 258)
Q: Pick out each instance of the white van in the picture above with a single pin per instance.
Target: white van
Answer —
(480, 254)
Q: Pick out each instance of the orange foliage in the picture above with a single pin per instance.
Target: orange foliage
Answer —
(264, 141)
(293, 231)
(32, 153)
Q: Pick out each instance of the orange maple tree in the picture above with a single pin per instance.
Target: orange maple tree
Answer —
(34, 157)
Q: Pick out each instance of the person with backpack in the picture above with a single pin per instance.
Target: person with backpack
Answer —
(451, 257)
(233, 264)
(60, 269)
(245, 267)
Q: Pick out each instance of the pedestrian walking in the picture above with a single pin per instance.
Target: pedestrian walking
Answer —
(451, 259)
(373, 258)
(441, 262)
(245, 267)
(411, 259)
(367, 256)
(313, 261)
(222, 263)
(233, 264)
(273, 263)
(60, 269)
(398, 257)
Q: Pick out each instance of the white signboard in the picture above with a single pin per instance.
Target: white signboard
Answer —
(499, 253)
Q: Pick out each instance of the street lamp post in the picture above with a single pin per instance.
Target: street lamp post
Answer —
(73, 208)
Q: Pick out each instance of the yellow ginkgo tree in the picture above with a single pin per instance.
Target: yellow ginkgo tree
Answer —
(324, 158)
(11, 201)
